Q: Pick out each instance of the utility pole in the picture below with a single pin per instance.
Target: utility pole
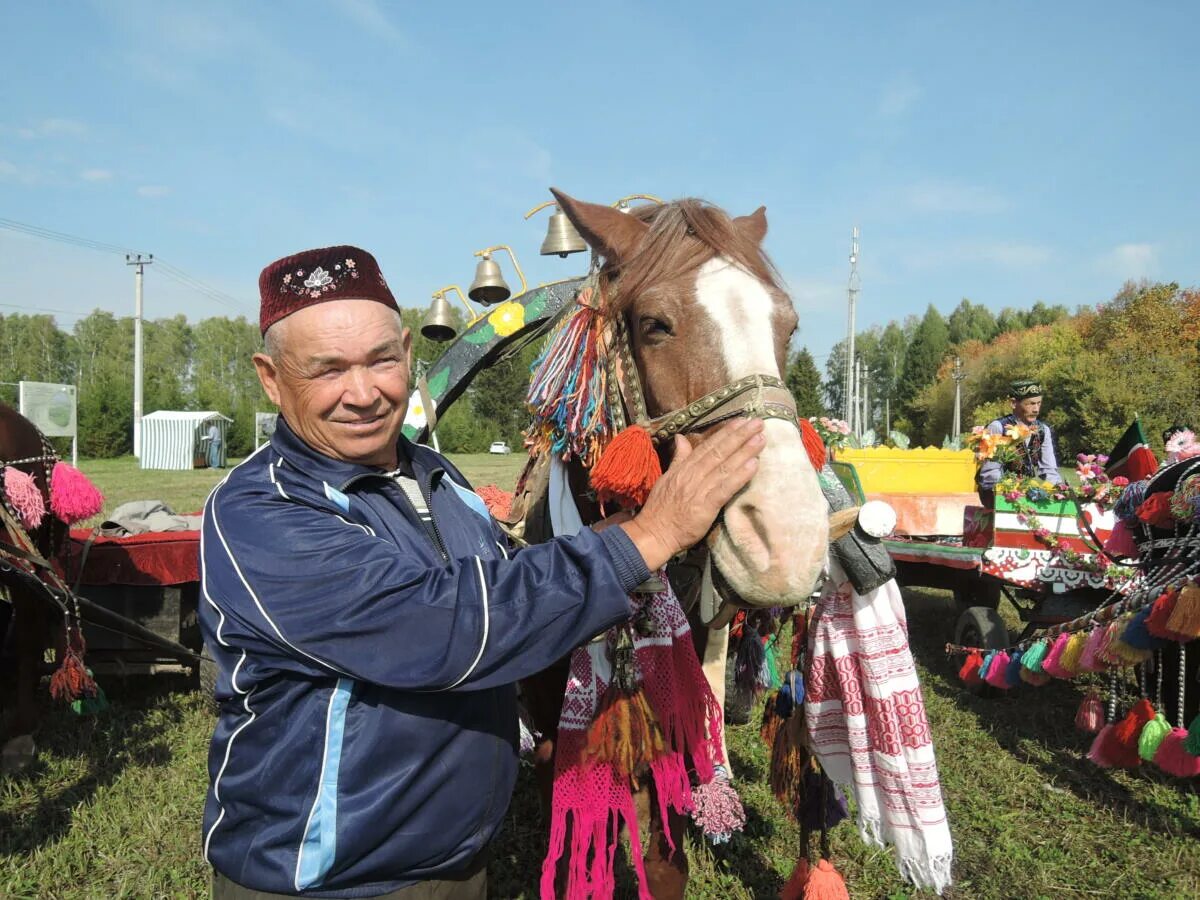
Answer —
(139, 263)
(866, 398)
(852, 291)
(958, 377)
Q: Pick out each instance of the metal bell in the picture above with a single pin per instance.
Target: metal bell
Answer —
(438, 324)
(561, 236)
(489, 285)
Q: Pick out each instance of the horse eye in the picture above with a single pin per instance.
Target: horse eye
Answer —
(652, 326)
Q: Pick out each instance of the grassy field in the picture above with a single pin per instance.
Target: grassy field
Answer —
(112, 806)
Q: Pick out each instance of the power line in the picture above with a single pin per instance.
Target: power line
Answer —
(171, 271)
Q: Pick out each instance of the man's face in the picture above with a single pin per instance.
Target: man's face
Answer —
(1027, 409)
(341, 379)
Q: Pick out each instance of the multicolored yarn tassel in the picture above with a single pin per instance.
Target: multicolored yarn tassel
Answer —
(1073, 653)
(1185, 617)
(24, 496)
(1152, 737)
(813, 445)
(1122, 747)
(717, 808)
(627, 469)
(1031, 659)
(1137, 635)
(73, 497)
(72, 681)
(1160, 614)
(969, 672)
(1012, 673)
(794, 889)
(1091, 660)
(1172, 756)
(1050, 665)
(1098, 751)
(825, 883)
(987, 665)
(1090, 718)
(997, 675)
(568, 390)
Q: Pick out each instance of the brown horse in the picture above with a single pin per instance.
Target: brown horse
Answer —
(703, 309)
(32, 623)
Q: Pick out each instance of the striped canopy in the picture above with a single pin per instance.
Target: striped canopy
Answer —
(173, 439)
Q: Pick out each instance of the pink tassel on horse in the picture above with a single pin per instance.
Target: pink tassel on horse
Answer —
(24, 496)
(73, 497)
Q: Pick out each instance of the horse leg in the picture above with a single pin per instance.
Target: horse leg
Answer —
(28, 644)
(666, 870)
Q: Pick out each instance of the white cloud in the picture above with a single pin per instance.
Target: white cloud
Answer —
(952, 196)
(898, 97)
(368, 15)
(153, 190)
(12, 172)
(1006, 254)
(1131, 260)
(51, 128)
(96, 175)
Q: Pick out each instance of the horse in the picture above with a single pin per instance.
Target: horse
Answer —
(32, 623)
(703, 326)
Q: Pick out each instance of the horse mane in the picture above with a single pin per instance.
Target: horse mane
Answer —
(683, 235)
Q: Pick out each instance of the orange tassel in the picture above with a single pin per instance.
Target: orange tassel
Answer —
(625, 734)
(1185, 617)
(794, 889)
(825, 883)
(813, 444)
(628, 468)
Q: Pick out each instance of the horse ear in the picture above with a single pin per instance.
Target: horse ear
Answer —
(614, 235)
(754, 226)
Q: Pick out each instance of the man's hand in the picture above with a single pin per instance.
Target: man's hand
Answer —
(685, 502)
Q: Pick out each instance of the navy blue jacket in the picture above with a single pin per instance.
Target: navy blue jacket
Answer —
(367, 737)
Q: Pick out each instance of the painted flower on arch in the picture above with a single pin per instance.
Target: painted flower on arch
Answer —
(507, 318)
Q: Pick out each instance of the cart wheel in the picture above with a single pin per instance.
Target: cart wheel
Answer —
(206, 673)
(981, 627)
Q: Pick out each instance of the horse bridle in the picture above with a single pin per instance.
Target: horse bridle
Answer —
(758, 396)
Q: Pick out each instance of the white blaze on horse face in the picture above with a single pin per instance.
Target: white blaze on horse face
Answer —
(772, 538)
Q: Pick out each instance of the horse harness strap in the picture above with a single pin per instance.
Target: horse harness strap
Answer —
(758, 396)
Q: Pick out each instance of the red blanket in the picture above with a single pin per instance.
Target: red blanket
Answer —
(156, 558)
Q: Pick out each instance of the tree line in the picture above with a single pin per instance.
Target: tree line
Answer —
(1100, 366)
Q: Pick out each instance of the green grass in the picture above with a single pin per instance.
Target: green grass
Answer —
(112, 806)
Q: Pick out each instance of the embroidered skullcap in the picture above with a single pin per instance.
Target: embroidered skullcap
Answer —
(1023, 388)
(317, 276)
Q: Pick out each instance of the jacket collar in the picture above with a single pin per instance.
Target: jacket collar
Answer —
(339, 472)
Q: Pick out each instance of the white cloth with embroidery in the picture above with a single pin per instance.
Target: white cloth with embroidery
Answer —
(867, 725)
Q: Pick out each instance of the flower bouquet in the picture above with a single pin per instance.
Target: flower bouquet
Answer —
(833, 432)
(1003, 448)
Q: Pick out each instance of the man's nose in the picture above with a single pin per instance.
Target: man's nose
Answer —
(360, 388)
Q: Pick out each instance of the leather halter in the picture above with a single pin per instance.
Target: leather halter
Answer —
(758, 396)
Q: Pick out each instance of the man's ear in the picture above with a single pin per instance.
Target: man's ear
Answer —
(406, 347)
(268, 375)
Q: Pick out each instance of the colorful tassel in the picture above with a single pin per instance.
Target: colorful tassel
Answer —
(1108, 650)
(794, 889)
(1037, 679)
(997, 675)
(748, 663)
(1152, 736)
(1136, 634)
(1185, 618)
(24, 496)
(987, 665)
(717, 809)
(1050, 664)
(1097, 754)
(73, 497)
(825, 883)
(1193, 739)
(1012, 673)
(1126, 654)
(1031, 660)
(1172, 756)
(813, 445)
(627, 469)
(969, 672)
(1091, 660)
(72, 680)
(1073, 654)
(1129, 729)
(625, 733)
(1160, 614)
(1120, 542)
(1090, 717)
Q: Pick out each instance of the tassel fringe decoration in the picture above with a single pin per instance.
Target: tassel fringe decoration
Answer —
(1050, 665)
(813, 445)
(1185, 617)
(1160, 614)
(1031, 660)
(1152, 737)
(73, 497)
(1091, 660)
(625, 733)
(72, 681)
(1097, 754)
(1172, 756)
(1073, 654)
(825, 883)
(997, 675)
(24, 496)
(794, 889)
(627, 469)
(1090, 718)
(1012, 673)
(969, 672)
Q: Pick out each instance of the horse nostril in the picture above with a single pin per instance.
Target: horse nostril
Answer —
(754, 518)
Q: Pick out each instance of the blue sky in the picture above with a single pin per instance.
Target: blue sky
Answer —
(1002, 152)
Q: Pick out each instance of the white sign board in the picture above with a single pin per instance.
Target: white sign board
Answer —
(51, 407)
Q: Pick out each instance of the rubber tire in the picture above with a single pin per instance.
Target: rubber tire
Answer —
(980, 626)
(206, 675)
(972, 589)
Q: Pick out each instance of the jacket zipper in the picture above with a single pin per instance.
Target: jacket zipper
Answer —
(427, 492)
(438, 543)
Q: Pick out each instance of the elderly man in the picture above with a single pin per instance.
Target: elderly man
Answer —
(369, 621)
(1035, 456)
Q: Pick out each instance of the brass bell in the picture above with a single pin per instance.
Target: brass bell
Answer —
(489, 285)
(561, 236)
(438, 324)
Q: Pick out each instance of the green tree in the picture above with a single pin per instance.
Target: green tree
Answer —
(925, 353)
(971, 322)
(804, 381)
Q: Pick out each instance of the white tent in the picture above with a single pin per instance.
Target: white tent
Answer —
(171, 439)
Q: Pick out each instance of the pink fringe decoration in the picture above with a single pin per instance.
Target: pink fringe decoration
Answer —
(1050, 664)
(73, 497)
(998, 671)
(23, 493)
(1091, 660)
(1097, 754)
(1173, 758)
(1120, 542)
(718, 809)
(1090, 718)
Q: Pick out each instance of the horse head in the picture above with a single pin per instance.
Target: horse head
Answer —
(703, 309)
